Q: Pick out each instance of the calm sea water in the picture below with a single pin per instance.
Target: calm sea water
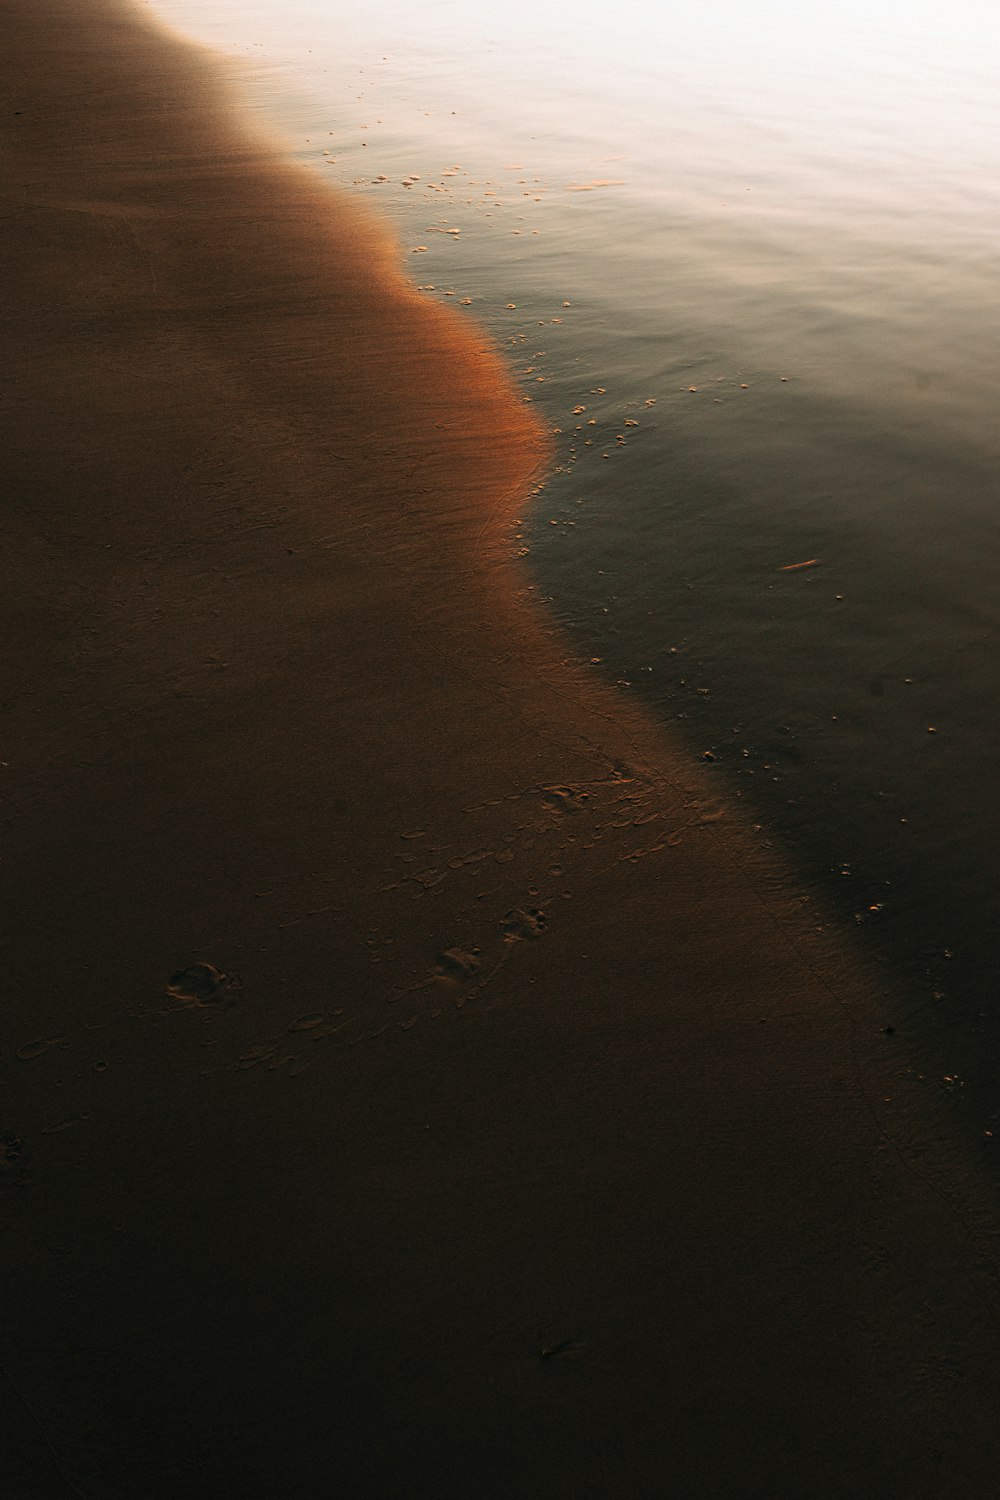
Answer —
(747, 258)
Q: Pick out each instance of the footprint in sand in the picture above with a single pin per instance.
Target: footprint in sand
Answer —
(201, 984)
(523, 925)
(457, 964)
(563, 799)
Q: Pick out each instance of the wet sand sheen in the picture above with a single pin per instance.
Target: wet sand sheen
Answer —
(535, 1141)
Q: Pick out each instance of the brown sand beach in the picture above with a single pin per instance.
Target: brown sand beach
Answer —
(530, 1135)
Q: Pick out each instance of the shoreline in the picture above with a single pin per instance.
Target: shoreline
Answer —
(539, 1146)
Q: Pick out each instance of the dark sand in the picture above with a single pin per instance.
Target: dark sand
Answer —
(545, 1146)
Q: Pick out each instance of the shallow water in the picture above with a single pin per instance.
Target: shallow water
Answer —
(752, 260)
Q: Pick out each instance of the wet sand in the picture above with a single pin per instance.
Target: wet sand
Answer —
(540, 1138)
